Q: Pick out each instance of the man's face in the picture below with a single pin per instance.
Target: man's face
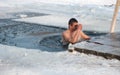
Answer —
(74, 26)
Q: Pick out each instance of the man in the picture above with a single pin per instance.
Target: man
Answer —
(74, 33)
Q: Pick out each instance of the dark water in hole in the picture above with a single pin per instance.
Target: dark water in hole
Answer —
(29, 35)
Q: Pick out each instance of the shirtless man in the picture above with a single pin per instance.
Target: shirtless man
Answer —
(74, 33)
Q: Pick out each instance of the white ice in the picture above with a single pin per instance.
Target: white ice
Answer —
(21, 61)
(82, 2)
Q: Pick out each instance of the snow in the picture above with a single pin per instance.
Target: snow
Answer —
(20, 61)
(99, 2)
(89, 15)
(53, 20)
(23, 16)
(3, 4)
(89, 23)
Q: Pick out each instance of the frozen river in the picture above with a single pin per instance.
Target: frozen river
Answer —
(30, 38)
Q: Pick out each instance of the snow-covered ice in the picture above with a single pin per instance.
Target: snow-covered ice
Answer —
(21, 61)
(62, 21)
(89, 15)
(98, 2)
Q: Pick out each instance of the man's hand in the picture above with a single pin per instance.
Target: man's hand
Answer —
(80, 27)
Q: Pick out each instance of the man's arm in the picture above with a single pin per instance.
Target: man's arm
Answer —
(84, 36)
(73, 37)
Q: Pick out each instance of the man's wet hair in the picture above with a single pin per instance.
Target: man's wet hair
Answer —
(72, 20)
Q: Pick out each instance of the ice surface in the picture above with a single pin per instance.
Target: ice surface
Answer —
(22, 61)
(53, 20)
(100, 2)
(88, 15)
(61, 21)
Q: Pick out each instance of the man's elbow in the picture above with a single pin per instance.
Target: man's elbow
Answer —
(73, 42)
(87, 38)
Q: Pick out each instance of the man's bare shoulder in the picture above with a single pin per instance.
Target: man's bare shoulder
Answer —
(66, 32)
(66, 35)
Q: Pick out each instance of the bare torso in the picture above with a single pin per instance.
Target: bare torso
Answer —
(74, 37)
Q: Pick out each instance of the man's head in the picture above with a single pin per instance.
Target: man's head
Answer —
(73, 24)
